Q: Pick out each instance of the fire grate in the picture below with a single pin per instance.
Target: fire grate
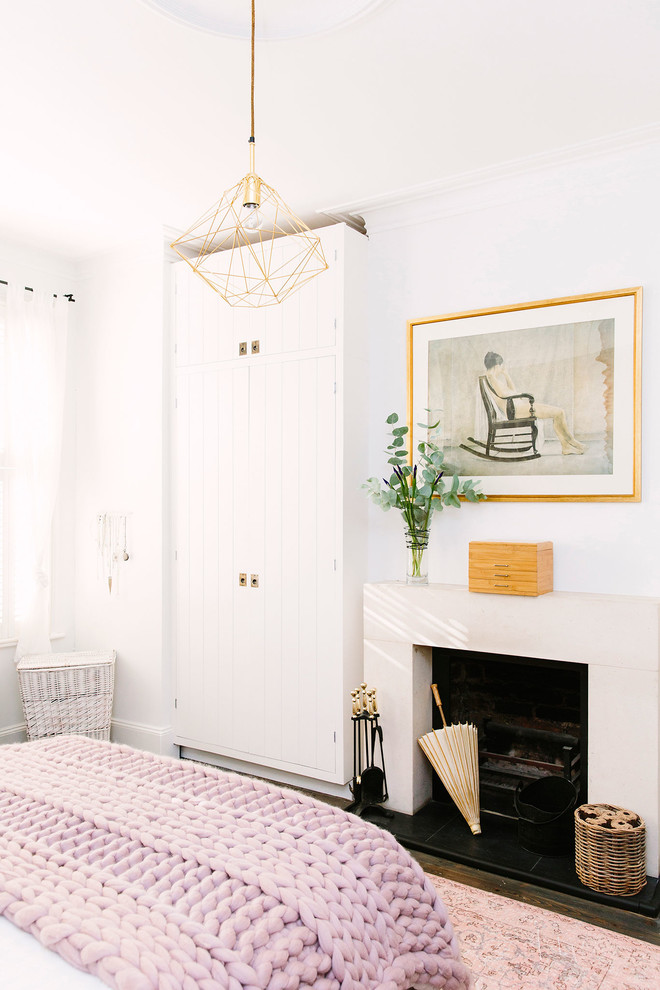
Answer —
(502, 765)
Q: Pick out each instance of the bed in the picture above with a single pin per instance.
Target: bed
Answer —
(149, 873)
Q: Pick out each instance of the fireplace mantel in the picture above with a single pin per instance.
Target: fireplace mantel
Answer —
(617, 636)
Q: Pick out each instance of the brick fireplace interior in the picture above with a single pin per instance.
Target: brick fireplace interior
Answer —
(531, 715)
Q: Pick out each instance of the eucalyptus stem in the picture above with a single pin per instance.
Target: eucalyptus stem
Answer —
(417, 554)
(418, 490)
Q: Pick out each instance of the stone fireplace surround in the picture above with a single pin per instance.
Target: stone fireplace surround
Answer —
(617, 636)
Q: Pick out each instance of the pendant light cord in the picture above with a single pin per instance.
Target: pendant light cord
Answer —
(252, 81)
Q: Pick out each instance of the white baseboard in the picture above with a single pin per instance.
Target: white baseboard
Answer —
(148, 737)
(13, 734)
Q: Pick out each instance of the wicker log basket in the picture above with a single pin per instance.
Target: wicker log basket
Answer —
(610, 849)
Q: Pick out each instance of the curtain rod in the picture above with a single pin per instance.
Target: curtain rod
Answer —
(67, 295)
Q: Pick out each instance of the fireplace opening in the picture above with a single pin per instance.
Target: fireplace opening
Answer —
(531, 717)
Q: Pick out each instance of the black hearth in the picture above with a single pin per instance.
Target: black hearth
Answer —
(532, 720)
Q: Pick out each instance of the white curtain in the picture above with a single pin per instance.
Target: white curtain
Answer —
(36, 334)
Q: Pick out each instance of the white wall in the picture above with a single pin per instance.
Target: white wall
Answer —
(42, 270)
(122, 437)
(582, 226)
(115, 458)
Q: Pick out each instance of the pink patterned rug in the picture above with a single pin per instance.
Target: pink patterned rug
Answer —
(509, 945)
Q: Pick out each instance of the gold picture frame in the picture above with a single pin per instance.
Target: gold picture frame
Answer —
(541, 401)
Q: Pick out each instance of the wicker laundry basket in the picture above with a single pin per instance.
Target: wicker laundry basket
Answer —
(610, 849)
(67, 693)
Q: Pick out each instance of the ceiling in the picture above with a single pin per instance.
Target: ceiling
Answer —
(118, 118)
(277, 21)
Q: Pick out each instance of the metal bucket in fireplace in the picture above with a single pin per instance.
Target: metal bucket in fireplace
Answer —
(545, 815)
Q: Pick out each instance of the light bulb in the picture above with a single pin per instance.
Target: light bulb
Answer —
(254, 221)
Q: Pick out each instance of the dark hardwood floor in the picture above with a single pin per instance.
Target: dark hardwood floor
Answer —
(614, 919)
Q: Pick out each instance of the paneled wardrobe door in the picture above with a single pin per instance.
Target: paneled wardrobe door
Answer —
(300, 549)
(211, 413)
(284, 542)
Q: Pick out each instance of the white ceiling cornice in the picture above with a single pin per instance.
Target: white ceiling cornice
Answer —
(460, 193)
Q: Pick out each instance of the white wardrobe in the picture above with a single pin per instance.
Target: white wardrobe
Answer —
(270, 452)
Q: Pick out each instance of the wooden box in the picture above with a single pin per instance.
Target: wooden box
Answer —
(511, 568)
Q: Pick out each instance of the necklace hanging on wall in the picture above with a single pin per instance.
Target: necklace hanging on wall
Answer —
(111, 547)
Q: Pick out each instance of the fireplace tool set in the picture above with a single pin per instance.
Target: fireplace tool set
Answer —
(369, 784)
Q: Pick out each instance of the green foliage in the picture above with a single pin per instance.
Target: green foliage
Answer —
(418, 491)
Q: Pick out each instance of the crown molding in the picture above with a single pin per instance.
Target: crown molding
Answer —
(497, 184)
(352, 220)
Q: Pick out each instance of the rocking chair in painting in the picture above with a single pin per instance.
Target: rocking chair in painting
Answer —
(510, 438)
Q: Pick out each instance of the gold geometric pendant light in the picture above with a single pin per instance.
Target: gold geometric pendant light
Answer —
(250, 247)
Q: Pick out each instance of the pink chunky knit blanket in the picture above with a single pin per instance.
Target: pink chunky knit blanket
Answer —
(156, 873)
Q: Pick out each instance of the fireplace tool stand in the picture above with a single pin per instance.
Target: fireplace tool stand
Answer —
(369, 784)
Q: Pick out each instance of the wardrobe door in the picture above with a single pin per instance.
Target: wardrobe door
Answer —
(301, 622)
(285, 629)
(247, 658)
(211, 418)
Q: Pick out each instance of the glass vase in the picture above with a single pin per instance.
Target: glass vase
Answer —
(417, 541)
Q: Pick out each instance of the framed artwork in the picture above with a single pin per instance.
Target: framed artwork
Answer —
(539, 401)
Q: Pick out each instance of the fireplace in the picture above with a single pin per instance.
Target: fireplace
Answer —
(617, 639)
(531, 716)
